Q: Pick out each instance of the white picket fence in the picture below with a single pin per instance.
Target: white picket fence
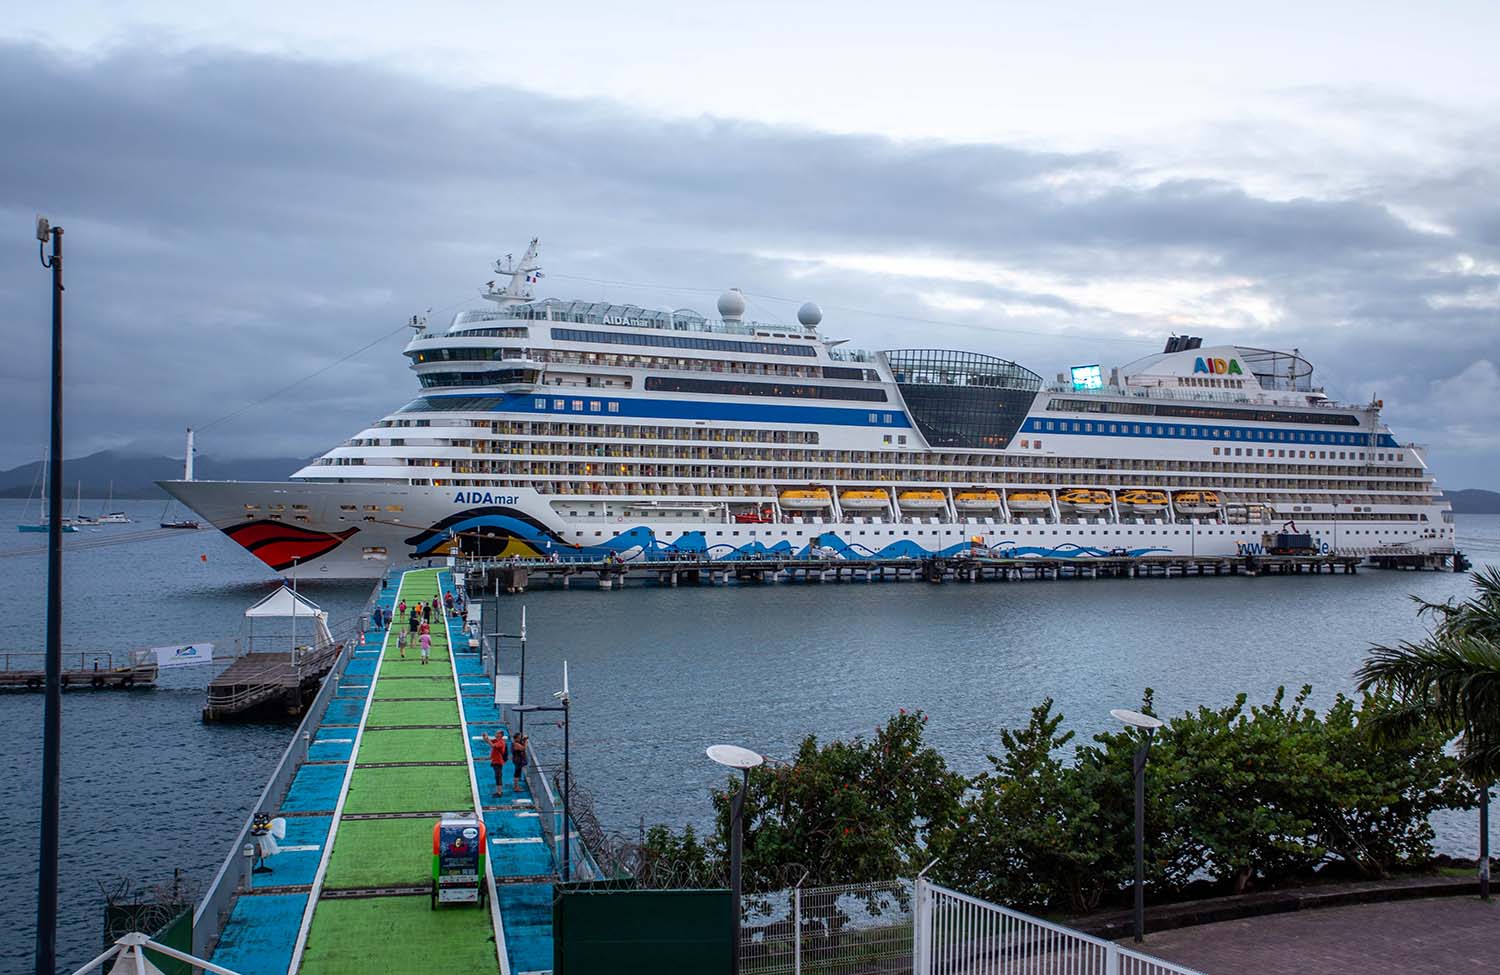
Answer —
(956, 934)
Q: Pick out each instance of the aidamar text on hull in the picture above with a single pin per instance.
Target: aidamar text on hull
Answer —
(578, 429)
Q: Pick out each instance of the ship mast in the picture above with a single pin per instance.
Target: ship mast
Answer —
(522, 277)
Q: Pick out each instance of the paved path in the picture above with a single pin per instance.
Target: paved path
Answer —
(1440, 935)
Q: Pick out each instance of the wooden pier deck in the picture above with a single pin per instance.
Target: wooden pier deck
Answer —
(262, 680)
(516, 577)
(80, 671)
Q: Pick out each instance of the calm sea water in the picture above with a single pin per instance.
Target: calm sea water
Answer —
(656, 675)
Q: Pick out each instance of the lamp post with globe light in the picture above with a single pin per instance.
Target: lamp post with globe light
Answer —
(1147, 725)
(733, 756)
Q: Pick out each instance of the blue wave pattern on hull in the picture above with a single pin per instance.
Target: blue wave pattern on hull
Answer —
(641, 542)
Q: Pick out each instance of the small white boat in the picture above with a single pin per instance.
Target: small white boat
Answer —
(976, 500)
(1029, 501)
(922, 501)
(805, 499)
(863, 500)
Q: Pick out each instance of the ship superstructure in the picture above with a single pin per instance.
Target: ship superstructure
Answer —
(560, 429)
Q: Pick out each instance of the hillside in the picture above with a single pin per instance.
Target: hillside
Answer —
(1474, 501)
(134, 476)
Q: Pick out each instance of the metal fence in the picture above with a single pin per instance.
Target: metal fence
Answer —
(850, 929)
(955, 934)
(234, 873)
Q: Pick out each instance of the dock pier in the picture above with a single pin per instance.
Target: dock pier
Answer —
(388, 745)
(260, 680)
(517, 576)
(96, 671)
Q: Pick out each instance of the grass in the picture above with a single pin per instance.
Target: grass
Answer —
(412, 745)
(389, 790)
(399, 713)
(433, 681)
(381, 853)
(398, 936)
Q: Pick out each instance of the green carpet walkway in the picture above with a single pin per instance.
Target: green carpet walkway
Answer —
(371, 912)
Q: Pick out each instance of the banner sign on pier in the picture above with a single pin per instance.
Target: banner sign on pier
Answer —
(184, 654)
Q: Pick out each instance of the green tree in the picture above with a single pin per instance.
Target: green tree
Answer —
(1451, 680)
(1029, 833)
(845, 812)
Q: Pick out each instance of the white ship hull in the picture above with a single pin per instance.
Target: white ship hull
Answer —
(335, 543)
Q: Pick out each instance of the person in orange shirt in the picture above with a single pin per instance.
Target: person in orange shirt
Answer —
(499, 751)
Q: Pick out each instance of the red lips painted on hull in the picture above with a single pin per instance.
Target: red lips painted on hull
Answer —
(277, 545)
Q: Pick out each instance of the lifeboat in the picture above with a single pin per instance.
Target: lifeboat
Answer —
(1142, 500)
(1196, 502)
(1084, 499)
(922, 500)
(1029, 501)
(976, 500)
(805, 499)
(866, 500)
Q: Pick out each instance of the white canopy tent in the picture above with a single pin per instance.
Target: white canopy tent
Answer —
(305, 629)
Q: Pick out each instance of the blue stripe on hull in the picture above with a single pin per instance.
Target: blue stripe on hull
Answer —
(676, 409)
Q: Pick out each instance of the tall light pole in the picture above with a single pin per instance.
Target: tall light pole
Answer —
(1147, 725)
(497, 635)
(46, 884)
(1484, 842)
(733, 756)
(563, 705)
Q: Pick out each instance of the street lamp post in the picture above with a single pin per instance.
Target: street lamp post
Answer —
(733, 756)
(496, 636)
(46, 900)
(567, 786)
(1147, 725)
(1484, 843)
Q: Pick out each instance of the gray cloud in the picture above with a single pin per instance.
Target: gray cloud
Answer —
(236, 221)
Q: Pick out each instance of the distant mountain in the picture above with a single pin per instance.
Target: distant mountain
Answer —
(1474, 501)
(134, 476)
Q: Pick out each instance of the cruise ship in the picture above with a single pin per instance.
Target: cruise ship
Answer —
(553, 429)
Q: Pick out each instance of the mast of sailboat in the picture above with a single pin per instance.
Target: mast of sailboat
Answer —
(187, 460)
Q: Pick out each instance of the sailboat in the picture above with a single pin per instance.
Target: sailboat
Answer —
(79, 518)
(187, 475)
(186, 523)
(27, 526)
(112, 517)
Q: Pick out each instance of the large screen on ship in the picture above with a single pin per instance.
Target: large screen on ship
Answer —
(1088, 377)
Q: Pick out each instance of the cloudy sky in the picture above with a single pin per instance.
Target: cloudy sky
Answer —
(253, 192)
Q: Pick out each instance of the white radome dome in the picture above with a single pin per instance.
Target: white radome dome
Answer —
(732, 305)
(810, 314)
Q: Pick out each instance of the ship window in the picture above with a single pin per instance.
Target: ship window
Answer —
(614, 407)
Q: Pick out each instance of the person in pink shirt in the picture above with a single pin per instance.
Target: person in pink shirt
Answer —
(426, 639)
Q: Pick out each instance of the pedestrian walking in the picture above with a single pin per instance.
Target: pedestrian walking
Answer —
(412, 621)
(426, 612)
(426, 641)
(518, 757)
(401, 644)
(498, 752)
(401, 608)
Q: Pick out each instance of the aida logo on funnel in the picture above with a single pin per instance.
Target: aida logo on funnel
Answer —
(1217, 367)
